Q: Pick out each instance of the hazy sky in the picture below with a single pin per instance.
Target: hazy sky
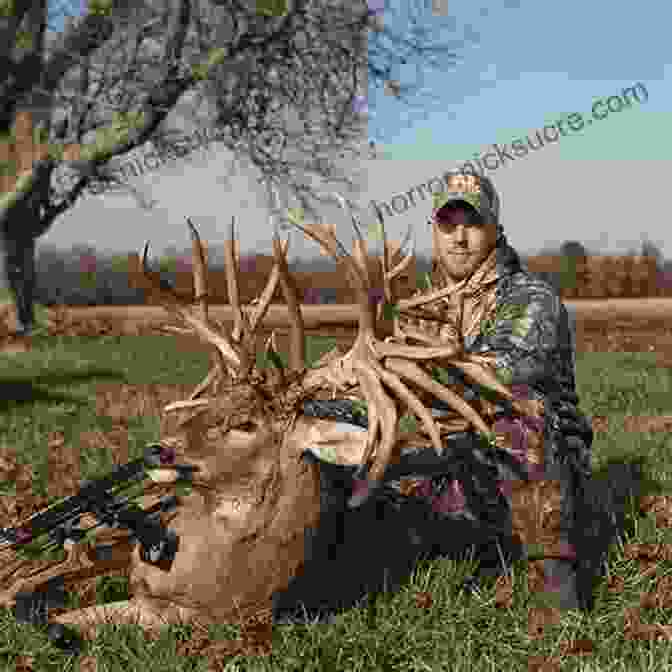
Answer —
(526, 64)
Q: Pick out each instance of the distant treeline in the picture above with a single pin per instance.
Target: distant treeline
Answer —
(83, 276)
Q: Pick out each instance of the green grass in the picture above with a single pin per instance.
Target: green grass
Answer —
(53, 388)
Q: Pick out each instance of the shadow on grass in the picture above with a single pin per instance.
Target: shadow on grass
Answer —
(22, 390)
(607, 512)
(375, 549)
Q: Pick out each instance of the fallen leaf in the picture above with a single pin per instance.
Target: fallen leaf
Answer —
(423, 600)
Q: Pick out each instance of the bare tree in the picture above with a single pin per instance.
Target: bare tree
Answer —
(407, 45)
(288, 81)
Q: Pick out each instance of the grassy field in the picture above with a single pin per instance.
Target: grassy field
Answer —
(53, 389)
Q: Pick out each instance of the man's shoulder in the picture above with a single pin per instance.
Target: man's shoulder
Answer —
(539, 295)
(526, 282)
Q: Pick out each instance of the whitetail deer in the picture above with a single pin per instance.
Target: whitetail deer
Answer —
(242, 528)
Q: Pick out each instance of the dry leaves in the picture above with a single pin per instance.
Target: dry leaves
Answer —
(648, 423)
(121, 402)
(256, 640)
(576, 647)
(423, 600)
(504, 592)
(538, 618)
(600, 423)
(660, 506)
(635, 629)
(535, 507)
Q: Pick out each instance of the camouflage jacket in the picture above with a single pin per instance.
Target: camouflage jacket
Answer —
(526, 329)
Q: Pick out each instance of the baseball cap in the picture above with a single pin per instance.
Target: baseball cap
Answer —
(466, 188)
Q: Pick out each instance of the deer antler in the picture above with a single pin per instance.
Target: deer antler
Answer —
(236, 351)
(388, 274)
(362, 364)
(376, 365)
(297, 345)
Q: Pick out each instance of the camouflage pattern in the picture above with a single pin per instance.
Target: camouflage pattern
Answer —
(527, 331)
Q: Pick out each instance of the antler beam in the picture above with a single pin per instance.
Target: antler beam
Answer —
(380, 366)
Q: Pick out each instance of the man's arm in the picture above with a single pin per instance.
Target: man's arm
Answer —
(524, 335)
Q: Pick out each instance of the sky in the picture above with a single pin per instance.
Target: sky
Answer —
(521, 65)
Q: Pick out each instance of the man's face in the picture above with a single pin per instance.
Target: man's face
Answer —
(462, 240)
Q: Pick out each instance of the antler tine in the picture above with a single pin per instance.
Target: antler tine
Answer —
(265, 299)
(232, 272)
(385, 261)
(366, 364)
(200, 270)
(360, 280)
(271, 285)
(359, 251)
(403, 264)
(220, 341)
(405, 304)
(402, 245)
(157, 282)
(297, 344)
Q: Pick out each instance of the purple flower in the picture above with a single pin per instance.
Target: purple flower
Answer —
(87, 263)
(451, 501)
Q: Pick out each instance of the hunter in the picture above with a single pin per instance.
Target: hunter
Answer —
(499, 309)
